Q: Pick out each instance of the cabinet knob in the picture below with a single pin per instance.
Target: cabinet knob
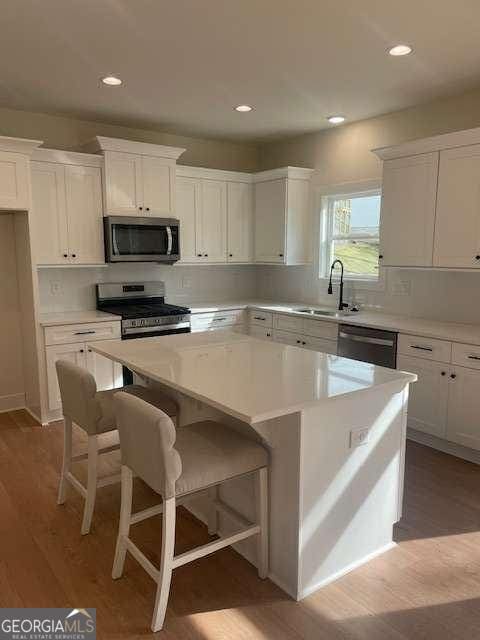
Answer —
(299, 342)
(380, 256)
(199, 255)
(147, 208)
(81, 350)
(140, 208)
(65, 255)
(268, 335)
(453, 376)
(477, 257)
(304, 343)
(280, 255)
(230, 255)
(443, 373)
(205, 255)
(74, 255)
(89, 351)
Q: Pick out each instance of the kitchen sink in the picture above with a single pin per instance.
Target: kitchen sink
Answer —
(323, 312)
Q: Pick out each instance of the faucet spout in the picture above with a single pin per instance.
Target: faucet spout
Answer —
(341, 304)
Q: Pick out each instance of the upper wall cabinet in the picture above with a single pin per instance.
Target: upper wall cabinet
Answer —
(431, 202)
(283, 216)
(139, 177)
(216, 216)
(15, 173)
(408, 210)
(66, 217)
(457, 227)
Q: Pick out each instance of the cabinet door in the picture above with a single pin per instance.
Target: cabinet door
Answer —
(270, 212)
(463, 426)
(84, 214)
(14, 189)
(212, 222)
(107, 374)
(428, 397)
(48, 217)
(158, 176)
(239, 222)
(73, 352)
(188, 199)
(408, 210)
(457, 226)
(123, 184)
(321, 345)
(287, 337)
(260, 332)
(298, 249)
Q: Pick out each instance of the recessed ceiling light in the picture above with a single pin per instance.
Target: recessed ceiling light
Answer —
(112, 81)
(244, 108)
(400, 50)
(336, 119)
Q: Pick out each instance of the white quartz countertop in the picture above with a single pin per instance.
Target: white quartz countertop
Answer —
(75, 317)
(250, 379)
(454, 331)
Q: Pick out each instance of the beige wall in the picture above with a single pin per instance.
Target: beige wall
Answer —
(11, 369)
(343, 154)
(68, 133)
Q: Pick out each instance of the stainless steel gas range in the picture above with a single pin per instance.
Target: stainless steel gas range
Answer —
(143, 310)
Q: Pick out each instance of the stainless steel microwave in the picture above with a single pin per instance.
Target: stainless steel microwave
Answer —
(141, 239)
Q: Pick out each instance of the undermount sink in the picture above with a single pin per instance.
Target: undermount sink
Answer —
(323, 312)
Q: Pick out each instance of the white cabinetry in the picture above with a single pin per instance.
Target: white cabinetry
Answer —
(15, 172)
(463, 425)
(457, 227)
(139, 177)
(408, 210)
(215, 213)
(283, 216)
(66, 217)
(71, 342)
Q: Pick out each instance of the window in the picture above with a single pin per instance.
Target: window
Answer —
(350, 233)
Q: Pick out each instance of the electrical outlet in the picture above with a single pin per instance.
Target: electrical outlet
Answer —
(358, 437)
(55, 288)
(186, 282)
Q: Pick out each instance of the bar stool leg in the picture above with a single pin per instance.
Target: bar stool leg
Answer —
(212, 511)
(166, 565)
(124, 526)
(91, 484)
(262, 519)
(67, 460)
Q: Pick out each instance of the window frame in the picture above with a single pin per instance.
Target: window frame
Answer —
(325, 195)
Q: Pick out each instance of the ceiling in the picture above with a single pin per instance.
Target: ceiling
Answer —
(186, 63)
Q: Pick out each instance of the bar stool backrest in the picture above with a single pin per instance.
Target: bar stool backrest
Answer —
(78, 390)
(147, 439)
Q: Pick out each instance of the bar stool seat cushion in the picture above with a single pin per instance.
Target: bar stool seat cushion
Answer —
(212, 453)
(107, 421)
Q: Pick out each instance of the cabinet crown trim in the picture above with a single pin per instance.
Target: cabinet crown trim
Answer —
(184, 171)
(19, 145)
(427, 145)
(67, 157)
(102, 144)
(297, 173)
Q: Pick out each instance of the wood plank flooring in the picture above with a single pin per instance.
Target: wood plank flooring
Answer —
(428, 587)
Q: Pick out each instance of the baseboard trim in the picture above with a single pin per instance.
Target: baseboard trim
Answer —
(12, 402)
(35, 417)
(444, 445)
(351, 567)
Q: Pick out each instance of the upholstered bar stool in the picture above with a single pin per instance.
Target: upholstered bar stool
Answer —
(93, 411)
(177, 465)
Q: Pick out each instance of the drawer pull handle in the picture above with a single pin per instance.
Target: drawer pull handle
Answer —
(417, 346)
(474, 357)
(259, 318)
(84, 333)
(218, 319)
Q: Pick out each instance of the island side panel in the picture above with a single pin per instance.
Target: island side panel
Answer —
(350, 495)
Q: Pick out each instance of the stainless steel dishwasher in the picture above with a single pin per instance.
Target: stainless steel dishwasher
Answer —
(369, 345)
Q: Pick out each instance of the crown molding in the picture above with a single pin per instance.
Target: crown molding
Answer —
(67, 157)
(429, 145)
(295, 173)
(103, 144)
(184, 171)
(19, 145)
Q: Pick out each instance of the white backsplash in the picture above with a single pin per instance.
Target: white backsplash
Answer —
(441, 295)
(72, 289)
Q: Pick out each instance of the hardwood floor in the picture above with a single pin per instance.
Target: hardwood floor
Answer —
(427, 587)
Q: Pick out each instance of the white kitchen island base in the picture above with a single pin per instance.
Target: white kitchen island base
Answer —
(335, 429)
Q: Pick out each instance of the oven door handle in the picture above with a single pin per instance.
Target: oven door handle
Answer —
(366, 339)
(169, 240)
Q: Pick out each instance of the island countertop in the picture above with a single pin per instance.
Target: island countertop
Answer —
(248, 378)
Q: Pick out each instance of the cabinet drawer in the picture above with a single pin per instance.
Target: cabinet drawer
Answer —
(71, 333)
(466, 355)
(264, 318)
(216, 320)
(428, 348)
(323, 345)
(287, 337)
(288, 323)
(321, 329)
(261, 332)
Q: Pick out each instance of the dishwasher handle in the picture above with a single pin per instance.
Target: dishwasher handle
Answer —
(366, 339)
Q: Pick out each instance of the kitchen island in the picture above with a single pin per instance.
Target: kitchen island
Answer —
(335, 429)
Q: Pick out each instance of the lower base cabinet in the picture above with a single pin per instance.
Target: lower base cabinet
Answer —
(445, 401)
(107, 374)
(307, 342)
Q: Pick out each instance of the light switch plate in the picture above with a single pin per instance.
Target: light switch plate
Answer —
(359, 437)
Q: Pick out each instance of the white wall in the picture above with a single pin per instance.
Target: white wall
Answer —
(184, 285)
